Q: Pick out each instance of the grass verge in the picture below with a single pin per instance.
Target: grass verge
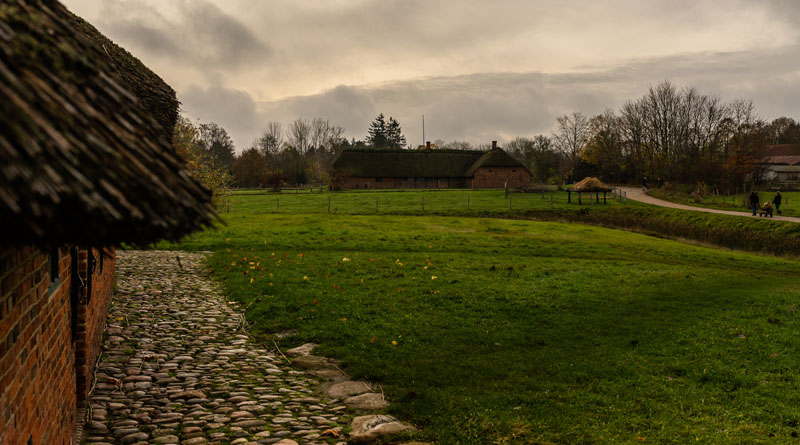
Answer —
(500, 331)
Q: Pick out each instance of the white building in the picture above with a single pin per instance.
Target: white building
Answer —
(779, 163)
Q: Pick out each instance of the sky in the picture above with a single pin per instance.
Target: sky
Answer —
(477, 70)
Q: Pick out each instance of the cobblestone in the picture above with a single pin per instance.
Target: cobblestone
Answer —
(177, 367)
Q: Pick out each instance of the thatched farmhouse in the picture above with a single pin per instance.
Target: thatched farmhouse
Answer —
(86, 163)
(397, 169)
(779, 163)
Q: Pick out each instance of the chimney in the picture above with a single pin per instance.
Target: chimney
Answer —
(427, 145)
(494, 145)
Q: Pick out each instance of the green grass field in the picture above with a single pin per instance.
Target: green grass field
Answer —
(411, 201)
(526, 332)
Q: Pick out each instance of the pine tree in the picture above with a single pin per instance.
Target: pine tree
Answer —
(394, 134)
(385, 135)
(377, 133)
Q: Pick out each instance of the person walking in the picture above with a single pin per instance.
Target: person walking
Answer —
(777, 201)
(754, 201)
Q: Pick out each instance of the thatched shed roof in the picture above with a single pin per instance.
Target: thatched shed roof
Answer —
(81, 159)
(588, 184)
(420, 163)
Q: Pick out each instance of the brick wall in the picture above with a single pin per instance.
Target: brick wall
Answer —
(39, 389)
(38, 396)
(496, 177)
(404, 183)
(92, 313)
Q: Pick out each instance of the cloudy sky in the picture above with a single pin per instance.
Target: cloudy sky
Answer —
(477, 70)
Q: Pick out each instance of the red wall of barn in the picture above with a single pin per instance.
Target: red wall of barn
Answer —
(92, 314)
(39, 389)
(496, 177)
(404, 183)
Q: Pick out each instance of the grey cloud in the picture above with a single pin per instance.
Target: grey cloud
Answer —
(488, 106)
(349, 107)
(203, 35)
(233, 109)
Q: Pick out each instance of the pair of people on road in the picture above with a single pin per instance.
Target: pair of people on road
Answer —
(768, 206)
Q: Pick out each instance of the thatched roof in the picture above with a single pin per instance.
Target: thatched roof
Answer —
(420, 163)
(153, 93)
(588, 184)
(81, 159)
(495, 158)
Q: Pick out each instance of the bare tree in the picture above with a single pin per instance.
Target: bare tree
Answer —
(319, 132)
(458, 145)
(299, 135)
(571, 134)
(271, 138)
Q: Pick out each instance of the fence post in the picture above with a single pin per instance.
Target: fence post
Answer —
(376, 204)
(423, 203)
(470, 193)
(509, 202)
(279, 205)
(551, 200)
(329, 204)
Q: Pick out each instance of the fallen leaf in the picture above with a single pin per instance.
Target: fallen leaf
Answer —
(332, 433)
(374, 339)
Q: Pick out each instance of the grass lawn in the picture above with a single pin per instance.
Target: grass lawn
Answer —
(526, 332)
(790, 205)
(411, 201)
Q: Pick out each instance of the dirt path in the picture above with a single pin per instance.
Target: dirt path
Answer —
(636, 194)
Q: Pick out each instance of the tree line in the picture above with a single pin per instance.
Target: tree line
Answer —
(299, 153)
(668, 134)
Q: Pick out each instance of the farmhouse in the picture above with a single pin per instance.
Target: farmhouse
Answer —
(397, 169)
(86, 163)
(779, 163)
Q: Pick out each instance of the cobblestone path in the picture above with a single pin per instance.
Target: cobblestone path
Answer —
(176, 367)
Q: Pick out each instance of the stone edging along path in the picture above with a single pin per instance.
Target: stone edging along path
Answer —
(637, 194)
(178, 367)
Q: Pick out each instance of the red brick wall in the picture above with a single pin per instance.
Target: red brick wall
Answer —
(37, 392)
(496, 177)
(92, 313)
(400, 183)
(362, 183)
(39, 388)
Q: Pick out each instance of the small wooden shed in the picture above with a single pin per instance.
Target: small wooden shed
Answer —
(589, 185)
